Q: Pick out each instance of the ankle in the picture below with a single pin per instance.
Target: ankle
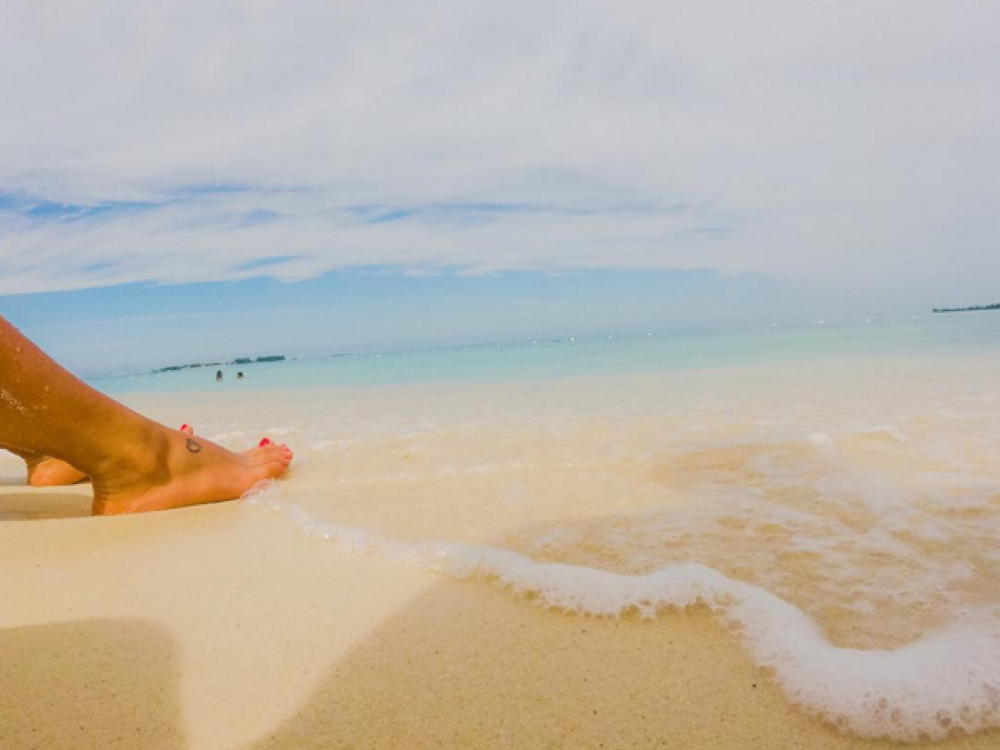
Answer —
(139, 456)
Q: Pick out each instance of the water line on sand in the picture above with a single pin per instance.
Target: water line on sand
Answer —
(948, 682)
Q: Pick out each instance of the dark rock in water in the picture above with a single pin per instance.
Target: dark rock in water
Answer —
(237, 361)
(967, 309)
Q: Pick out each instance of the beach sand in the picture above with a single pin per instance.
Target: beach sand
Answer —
(220, 627)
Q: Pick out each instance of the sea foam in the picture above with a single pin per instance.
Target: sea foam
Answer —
(945, 683)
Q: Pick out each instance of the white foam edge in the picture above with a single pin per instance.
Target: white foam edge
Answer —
(946, 682)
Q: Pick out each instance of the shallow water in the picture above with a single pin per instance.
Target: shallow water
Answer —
(654, 351)
(836, 497)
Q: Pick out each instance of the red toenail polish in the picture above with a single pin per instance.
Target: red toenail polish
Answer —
(265, 442)
(184, 427)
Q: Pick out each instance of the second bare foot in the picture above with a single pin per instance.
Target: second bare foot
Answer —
(44, 471)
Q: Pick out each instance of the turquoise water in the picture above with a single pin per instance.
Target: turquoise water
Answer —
(642, 352)
(829, 489)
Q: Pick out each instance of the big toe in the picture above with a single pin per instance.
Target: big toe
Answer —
(265, 454)
(271, 469)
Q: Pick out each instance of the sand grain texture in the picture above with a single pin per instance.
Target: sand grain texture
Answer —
(221, 627)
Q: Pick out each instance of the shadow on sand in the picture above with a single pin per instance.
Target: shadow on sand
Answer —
(439, 675)
(89, 684)
(462, 666)
(22, 503)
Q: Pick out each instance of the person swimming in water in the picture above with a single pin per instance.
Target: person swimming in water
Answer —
(218, 376)
(239, 376)
(52, 419)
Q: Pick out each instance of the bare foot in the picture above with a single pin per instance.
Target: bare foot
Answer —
(45, 471)
(170, 469)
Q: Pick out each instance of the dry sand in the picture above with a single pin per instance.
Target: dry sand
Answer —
(221, 627)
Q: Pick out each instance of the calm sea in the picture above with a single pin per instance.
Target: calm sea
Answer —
(831, 489)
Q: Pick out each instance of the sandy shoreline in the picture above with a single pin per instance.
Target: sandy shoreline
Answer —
(221, 627)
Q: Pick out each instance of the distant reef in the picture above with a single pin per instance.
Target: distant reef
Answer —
(237, 361)
(967, 309)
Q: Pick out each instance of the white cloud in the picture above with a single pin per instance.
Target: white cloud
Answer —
(841, 143)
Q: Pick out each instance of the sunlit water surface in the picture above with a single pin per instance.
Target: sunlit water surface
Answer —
(836, 485)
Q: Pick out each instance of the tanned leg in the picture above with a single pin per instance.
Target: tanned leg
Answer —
(135, 464)
(45, 471)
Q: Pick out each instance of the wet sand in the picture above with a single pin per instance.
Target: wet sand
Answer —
(221, 627)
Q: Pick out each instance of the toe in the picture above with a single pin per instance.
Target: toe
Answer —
(277, 453)
(187, 429)
(272, 469)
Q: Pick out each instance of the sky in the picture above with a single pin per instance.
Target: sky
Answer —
(267, 171)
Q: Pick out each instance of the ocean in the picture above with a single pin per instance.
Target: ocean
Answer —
(831, 489)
